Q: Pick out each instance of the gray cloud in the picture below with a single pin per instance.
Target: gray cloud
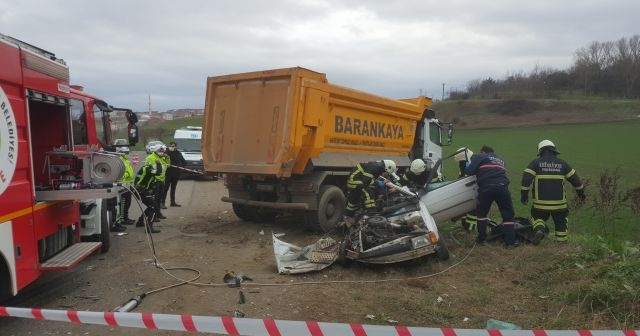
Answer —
(125, 50)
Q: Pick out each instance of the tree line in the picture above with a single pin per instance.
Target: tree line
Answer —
(603, 69)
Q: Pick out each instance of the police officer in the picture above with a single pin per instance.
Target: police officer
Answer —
(463, 155)
(157, 186)
(545, 177)
(360, 185)
(146, 188)
(493, 185)
(125, 197)
(416, 176)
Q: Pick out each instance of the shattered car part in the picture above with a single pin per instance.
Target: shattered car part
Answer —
(292, 259)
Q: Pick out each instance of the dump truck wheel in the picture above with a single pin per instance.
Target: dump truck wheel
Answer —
(242, 211)
(442, 252)
(330, 207)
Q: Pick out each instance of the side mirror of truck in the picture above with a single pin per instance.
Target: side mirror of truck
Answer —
(132, 131)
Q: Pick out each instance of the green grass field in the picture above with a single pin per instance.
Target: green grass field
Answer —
(164, 131)
(589, 148)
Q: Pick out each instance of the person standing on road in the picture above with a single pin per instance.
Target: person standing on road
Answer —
(545, 178)
(493, 186)
(157, 185)
(145, 186)
(173, 173)
(125, 197)
(360, 185)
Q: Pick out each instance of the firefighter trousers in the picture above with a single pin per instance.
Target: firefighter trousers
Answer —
(539, 218)
(501, 195)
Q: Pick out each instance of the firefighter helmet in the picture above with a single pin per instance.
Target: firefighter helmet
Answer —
(546, 143)
(418, 166)
(390, 166)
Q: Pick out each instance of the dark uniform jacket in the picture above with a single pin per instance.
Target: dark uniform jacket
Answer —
(545, 176)
(176, 160)
(365, 173)
(489, 170)
(414, 180)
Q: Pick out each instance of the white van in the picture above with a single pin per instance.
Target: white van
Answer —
(189, 140)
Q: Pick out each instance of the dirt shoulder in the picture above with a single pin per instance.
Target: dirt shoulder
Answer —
(474, 285)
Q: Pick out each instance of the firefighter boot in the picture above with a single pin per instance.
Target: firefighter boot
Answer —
(538, 231)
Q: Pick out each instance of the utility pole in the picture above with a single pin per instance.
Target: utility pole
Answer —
(443, 84)
(149, 104)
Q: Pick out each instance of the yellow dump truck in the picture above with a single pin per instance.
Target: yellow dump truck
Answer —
(286, 139)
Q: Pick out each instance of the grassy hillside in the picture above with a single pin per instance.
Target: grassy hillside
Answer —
(522, 112)
(165, 129)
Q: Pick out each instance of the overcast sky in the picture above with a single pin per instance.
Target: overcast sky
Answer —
(126, 50)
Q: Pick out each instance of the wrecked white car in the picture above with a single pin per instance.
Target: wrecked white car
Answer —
(405, 229)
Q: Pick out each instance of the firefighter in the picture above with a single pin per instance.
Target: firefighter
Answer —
(125, 197)
(146, 182)
(545, 178)
(173, 173)
(416, 176)
(157, 185)
(493, 186)
(361, 187)
(463, 155)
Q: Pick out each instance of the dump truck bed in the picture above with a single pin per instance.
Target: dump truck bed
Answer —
(287, 121)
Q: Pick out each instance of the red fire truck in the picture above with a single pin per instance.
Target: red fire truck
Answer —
(56, 174)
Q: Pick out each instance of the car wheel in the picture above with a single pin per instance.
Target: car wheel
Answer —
(330, 207)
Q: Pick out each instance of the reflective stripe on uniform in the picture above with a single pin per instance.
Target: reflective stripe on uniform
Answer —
(571, 173)
(532, 172)
(562, 236)
(550, 207)
(538, 223)
(525, 188)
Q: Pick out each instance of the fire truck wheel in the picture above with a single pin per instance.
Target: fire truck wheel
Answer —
(5, 282)
(330, 207)
(105, 227)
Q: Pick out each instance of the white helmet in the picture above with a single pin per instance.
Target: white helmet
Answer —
(545, 143)
(390, 166)
(156, 147)
(463, 155)
(418, 166)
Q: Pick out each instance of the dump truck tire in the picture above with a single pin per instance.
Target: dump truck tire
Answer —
(242, 211)
(331, 202)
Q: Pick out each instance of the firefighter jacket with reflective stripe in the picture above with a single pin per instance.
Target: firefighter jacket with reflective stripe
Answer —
(147, 176)
(545, 177)
(489, 170)
(411, 179)
(365, 173)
